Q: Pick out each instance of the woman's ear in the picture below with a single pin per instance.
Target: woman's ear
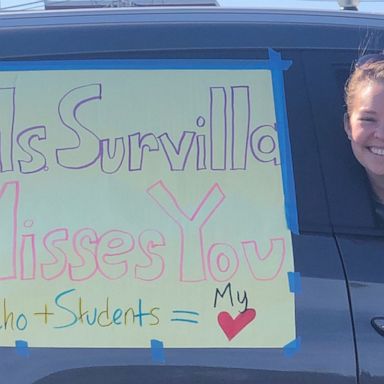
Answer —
(347, 126)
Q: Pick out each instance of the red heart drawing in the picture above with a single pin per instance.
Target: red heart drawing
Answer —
(232, 327)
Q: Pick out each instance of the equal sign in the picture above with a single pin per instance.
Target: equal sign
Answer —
(182, 316)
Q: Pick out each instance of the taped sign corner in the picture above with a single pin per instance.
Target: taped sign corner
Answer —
(292, 347)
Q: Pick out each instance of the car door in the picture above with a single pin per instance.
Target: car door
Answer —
(358, 238)
(322, 347)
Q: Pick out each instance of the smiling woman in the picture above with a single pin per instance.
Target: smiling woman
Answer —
(364, 122)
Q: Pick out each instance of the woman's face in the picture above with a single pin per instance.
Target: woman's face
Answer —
(365, 127)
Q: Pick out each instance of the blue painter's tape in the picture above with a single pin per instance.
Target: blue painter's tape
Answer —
(149, 64)
(294, 279)
(277, 66)
(292, 348)
(22, 348)
(157, 350)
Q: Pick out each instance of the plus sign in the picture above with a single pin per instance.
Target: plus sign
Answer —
(45, 314)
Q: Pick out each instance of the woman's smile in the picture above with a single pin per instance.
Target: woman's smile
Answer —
(376, 150)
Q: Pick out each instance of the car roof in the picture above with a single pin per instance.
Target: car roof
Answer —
(190, 14)
(369, 6)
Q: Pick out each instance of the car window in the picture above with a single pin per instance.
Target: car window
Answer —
(347, 188)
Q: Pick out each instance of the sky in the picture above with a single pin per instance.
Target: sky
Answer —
(365, 6)
(376, 6)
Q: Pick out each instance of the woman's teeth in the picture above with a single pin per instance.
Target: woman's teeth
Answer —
(377, 151)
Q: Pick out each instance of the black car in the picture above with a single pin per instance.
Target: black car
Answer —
(152, 231)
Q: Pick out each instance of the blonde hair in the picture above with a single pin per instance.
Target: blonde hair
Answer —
(371, 71)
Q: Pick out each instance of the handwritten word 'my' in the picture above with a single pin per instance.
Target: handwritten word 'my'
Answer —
(228, 130)
(109, 253)
(227, 293)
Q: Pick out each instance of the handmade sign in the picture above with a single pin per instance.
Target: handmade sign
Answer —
(142, 202)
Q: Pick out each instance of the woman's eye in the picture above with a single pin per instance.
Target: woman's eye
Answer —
(367, 119)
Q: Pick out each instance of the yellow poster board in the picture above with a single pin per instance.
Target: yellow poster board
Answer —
(142, 204)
